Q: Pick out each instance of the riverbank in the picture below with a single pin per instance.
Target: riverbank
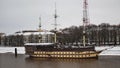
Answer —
(108, 50)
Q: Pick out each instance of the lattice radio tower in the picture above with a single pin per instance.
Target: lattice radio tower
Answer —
(85, 20)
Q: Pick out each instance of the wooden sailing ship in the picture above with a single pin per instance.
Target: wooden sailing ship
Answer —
(48, 48)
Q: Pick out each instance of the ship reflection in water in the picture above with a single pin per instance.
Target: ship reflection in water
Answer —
(62, 63)
(23, 61)
(102, 62)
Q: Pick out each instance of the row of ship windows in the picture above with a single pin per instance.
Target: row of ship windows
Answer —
(80, 56)
(63, 52)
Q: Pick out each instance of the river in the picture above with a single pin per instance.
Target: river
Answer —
(23, 61)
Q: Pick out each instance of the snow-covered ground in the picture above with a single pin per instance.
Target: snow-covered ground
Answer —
(20, 50)
(113, 51)
(108, 50)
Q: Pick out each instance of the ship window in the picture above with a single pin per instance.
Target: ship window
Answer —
(80, 56)
(55, 52)
(40, 52)
(43, 52)
(87, 55)
(51, 52)
(65, 55)
(91, 52)
(84, 55)
(73, 52)
(48, 52)
(76, 55)
(60, 52)
(73, 56)
(35, 52)
(65, 52)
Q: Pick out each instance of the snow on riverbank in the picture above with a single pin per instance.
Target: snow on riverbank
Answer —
(108, 50)
(20, 50)
(112, 51)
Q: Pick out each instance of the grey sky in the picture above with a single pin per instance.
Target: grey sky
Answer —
(18, 15)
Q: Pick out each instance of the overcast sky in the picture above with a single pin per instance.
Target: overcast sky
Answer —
(17, 15)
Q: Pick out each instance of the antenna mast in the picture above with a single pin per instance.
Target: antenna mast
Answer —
(85, 19)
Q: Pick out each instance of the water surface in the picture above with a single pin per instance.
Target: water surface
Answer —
(23, 61)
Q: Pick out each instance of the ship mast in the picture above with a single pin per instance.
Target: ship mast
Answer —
(39, 30)
(85, 20)
(55, 23)
(39, 24)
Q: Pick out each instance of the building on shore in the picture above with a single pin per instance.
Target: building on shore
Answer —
(27, 36)
(2, 38)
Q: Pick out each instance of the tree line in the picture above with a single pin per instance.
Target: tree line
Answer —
(103, 34)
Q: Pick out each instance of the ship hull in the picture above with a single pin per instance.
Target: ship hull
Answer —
(40, 51)
(67, 55)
